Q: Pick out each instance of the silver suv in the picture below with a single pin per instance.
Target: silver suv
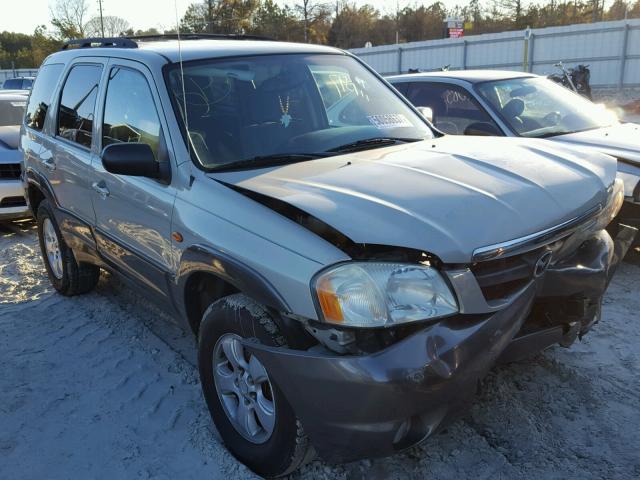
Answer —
(350, 274)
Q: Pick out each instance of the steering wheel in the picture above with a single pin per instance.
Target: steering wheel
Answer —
(552, 119)
(447, 127)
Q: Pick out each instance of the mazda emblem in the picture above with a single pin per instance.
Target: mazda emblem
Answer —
(542, 264)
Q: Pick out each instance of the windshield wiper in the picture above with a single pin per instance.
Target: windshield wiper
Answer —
(263, 161)
(557, 133)
(370, 143)
(552, 134)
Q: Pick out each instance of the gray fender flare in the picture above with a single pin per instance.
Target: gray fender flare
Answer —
(206, 259)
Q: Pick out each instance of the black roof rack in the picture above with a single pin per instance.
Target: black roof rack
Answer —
(117, 42)
(198, 36)
(130, 42)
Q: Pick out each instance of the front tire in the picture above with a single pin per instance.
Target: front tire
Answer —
(66, 275)
(240, 393)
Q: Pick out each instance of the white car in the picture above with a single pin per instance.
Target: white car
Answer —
(516, 104)
(13, 205)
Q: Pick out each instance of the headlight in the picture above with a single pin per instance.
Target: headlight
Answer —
(377, 294)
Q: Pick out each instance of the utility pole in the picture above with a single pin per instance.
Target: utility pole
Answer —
(210, 16)
(398, 22)
(101, 20)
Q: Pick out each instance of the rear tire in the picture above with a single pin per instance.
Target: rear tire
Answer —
(66, 275)
(274, 451)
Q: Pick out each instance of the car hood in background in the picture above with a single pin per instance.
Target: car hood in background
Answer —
(9, 139)
(621, 141)
(446, 196)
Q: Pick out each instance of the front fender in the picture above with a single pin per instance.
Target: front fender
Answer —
(206, 259)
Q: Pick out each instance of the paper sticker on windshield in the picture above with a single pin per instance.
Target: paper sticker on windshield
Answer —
(389, 120)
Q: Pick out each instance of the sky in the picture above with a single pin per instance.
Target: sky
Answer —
(141, 14)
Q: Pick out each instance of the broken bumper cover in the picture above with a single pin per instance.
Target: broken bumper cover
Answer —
(569, 296)
(588, 271)
(363, 406)
(374, 405)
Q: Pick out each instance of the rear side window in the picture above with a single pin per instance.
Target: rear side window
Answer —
(454, 110)
(77, 104)
(41, 94)
(129, 111)
(403, 88)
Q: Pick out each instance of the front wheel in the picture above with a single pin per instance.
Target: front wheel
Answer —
(256, 422)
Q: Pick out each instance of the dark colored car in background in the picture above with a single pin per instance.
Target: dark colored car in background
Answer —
(12, 201)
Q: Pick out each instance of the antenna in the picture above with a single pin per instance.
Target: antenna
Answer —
(184, 93)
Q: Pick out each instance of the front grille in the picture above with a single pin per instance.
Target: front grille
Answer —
(13, 202)
(10, 171)
(502, 277)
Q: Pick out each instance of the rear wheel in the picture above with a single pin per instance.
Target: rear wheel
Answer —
(251, 413)
(66, 275)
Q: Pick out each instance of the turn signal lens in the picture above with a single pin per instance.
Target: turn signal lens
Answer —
(329, 302)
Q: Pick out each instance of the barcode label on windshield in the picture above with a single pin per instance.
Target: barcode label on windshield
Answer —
(389, 120)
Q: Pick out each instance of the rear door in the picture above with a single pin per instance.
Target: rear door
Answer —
(133, 214)
(35, 142)
(71, 165)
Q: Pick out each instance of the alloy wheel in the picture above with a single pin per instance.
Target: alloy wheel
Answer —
(52, 248)
(244, 389)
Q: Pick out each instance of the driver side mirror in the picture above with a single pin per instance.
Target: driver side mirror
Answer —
(133, 159)
(426, 112)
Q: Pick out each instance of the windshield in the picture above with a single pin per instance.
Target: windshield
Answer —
(537, 107)
(238, 109)
(12, 111)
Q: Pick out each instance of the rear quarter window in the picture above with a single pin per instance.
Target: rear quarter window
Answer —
(40, 99)
(77, 104)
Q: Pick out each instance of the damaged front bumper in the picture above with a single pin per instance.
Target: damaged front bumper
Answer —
(362, 406)
(374, 405)
(569, 297)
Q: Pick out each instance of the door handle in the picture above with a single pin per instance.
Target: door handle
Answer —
(101, 189)
(48, 163)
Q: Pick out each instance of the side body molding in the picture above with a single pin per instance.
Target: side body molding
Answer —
(205, 259)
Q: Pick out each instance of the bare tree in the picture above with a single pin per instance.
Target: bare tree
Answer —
(69, 17)
(113, 26)
(311, 10)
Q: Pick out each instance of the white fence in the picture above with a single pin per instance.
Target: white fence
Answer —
(18, 72)
(612, 49)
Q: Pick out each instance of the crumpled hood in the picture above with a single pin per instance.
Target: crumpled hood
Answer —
(622, 141)
(446, 196)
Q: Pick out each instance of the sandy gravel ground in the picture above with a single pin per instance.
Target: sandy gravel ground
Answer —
(102, 386)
